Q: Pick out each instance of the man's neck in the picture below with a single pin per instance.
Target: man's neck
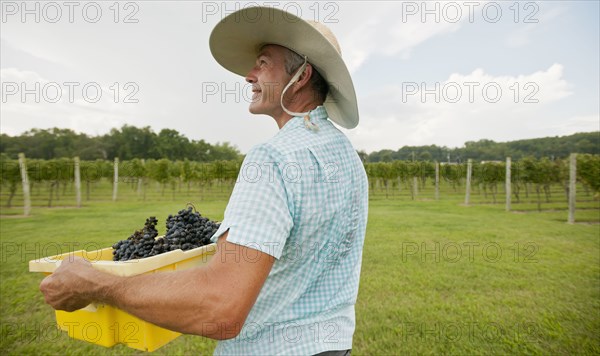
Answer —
(283, 119)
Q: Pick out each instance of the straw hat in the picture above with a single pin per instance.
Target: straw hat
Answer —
(236, 40)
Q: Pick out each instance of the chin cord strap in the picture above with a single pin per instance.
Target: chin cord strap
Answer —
(309, 125)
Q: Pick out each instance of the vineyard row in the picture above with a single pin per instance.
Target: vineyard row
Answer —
(529, 170)
(485, 176)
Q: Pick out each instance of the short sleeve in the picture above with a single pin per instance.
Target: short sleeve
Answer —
(258, 213)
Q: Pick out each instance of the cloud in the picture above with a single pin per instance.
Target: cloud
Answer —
(25, 51)
(30, 100)
(14, 74)
(396, 29)
(580, 123)
(399, 27)
(463, 107)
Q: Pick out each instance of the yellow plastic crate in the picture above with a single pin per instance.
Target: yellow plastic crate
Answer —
(106, 325)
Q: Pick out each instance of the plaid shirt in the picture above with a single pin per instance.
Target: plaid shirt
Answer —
(301, 197)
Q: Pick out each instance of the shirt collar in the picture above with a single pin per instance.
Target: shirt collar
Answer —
(316, 114)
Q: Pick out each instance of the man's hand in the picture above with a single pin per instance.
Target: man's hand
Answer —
(66, 288)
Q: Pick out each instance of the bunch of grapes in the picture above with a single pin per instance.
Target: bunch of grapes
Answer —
(139, 244)
(185, 231)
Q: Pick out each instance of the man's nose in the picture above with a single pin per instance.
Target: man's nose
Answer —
(251, 77)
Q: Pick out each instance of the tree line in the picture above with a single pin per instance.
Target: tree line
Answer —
(128, 142)
(488, 150)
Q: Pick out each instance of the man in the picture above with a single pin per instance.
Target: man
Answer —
(285, 275)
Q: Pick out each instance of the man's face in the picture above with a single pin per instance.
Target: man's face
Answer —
(268, 78)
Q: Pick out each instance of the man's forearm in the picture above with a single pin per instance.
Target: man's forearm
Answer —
(177, 301)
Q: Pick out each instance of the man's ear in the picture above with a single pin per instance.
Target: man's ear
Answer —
(304, 77)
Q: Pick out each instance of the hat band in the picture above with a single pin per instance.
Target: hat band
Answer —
(307, 122)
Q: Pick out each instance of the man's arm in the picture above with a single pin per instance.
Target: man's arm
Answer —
(212, 300)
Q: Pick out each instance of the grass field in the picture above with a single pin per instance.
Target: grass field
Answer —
(437, 277)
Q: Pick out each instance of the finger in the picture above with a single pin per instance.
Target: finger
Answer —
(44, 285)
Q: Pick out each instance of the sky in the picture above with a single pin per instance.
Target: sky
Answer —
(425, 73)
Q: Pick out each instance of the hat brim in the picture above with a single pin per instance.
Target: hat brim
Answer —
(237, 38)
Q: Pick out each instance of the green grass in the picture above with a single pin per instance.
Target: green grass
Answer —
(437, 278)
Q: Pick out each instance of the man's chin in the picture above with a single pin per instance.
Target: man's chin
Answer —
(254, 110)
